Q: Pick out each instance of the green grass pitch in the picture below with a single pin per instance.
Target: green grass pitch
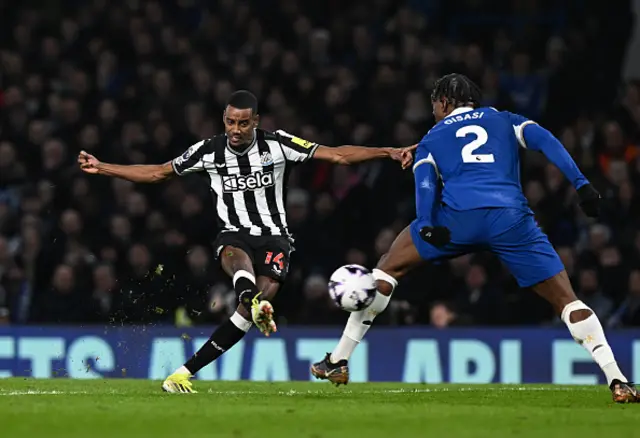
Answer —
(137, 408)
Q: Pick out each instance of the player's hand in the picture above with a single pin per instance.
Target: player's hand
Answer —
(436, 236)
(403, 155)
(407, 156)
(88, 163)
(589, 200)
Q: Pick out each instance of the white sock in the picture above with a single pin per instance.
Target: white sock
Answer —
(360, 322)
(183, 370)
(590, 335)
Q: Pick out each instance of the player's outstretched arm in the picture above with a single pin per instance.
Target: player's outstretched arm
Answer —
(534, 136)
(349, 154)
(151, 173)
(298, 149)
(540, 139)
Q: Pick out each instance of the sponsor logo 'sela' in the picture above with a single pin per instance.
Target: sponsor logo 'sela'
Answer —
(241, 183)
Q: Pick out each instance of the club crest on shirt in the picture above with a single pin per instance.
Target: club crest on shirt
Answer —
(266, 159)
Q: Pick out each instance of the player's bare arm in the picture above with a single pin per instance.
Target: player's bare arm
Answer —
(298, 149)
(349, 154)
(142, 173)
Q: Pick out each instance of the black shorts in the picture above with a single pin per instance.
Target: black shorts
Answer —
(270, 255)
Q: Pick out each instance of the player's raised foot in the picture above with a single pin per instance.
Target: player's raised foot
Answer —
(178, 383)
(337, 373)
(262, 314)
(624, 392)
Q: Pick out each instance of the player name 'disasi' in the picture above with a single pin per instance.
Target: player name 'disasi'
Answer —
(462, 117)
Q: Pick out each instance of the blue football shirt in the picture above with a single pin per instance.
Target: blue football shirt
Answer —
(475, 155)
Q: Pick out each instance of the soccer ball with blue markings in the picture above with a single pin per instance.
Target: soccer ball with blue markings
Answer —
(352, 288)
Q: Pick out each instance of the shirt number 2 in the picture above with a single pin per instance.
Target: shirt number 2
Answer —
(468, 150)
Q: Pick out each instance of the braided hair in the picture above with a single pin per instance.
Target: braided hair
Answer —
(458, 90)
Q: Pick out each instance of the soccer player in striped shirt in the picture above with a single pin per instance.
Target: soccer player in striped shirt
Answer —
(247, 168)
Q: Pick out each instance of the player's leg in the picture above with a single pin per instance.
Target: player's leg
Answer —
(252, 304)
(234, 253)
(532, 260)
(236, 263)
(272, 256)
(402, 257)
(586, 329)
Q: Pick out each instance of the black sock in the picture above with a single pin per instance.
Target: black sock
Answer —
(224, 337)
(246, 290)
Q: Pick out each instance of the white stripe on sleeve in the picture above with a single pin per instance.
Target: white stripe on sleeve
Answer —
(519, 131)
(429, 160)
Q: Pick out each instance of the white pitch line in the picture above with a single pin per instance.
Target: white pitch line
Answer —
(35, 392)
(293, 392)
(329, 392)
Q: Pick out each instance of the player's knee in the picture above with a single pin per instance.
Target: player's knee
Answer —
(236, 259)
(268, 294)
(384, 288)
(234, 253)
(268, 288)
(385, 282)
(558, 292)
(575, 311)
(579, 315)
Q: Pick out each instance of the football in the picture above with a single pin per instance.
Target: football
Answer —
(352, 287)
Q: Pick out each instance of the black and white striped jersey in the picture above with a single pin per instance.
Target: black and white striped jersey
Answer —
(248, 186)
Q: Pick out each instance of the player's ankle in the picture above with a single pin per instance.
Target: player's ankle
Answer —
(334, 359)
(612, 372)
(244, 283)
(183, 370)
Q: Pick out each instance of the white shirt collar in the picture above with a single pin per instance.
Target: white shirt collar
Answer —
(461, 110)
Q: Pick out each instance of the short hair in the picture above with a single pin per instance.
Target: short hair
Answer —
(458, 89)
(243, 99)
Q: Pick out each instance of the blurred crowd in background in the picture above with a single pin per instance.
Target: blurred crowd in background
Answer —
(137, 82)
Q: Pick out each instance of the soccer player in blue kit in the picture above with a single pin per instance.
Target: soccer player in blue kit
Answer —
(468, 199)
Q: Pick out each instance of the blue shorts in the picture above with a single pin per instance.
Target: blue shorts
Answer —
(510, 233)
